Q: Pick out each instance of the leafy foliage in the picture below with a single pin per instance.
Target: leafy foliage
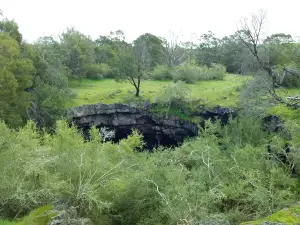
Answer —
(174, 94)
(15, 77)
(191, 73)
(188, 73)
(223, 171)
(153, 47)
(11, 28)
(39, 216)
(78, 52)
(255, 98)
(162, 72)
(98, 71)
(50, 84)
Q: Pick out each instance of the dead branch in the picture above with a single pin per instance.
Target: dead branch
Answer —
(172, 49)
(250, 33)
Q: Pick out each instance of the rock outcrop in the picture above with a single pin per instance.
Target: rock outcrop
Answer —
(68, 216)
(165, 130)
(220, 113)
(272, 123)
(122, 118)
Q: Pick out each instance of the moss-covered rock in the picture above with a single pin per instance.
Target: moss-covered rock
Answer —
(289, 216)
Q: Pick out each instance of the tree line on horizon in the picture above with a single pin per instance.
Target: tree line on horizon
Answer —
(34, 76)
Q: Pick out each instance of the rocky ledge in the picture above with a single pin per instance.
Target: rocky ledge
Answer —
(157, 129)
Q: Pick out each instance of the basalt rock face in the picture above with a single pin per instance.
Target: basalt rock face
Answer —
(218, 113)
(272, 123)
(122, 118)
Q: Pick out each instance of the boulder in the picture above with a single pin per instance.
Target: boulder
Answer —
(218, 113)
(272, 123)
(68, 216)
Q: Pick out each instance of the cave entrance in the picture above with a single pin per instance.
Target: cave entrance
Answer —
(152, 139)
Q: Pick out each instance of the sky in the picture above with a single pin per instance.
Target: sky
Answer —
(187, 18)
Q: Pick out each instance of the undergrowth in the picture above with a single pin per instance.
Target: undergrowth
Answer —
(226, 171)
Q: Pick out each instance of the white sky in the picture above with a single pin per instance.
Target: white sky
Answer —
(98, 17)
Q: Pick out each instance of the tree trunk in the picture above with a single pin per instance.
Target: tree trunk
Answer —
(137, 92)
(137, 88)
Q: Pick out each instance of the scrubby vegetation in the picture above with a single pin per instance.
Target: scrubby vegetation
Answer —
(233, 172)
(232, 176)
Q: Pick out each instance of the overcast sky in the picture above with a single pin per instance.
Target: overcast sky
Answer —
(97, 17)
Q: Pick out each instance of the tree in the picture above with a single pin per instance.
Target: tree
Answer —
(15, 77)
(107, 47)
(208, 51)
(235, 56)
(174, 52)
(153, 46)
(142, 49)
(127, 69)
(104, 54)
(190, 48)
(78, 51)
(133, 62)
(250, 33)
(50, 91)
(11, 28)
(281, 49)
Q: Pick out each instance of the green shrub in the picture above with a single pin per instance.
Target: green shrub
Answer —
(98, 71)
(216, 72)
(187, 72)
(40, 216)
(191, 73)
(162, 72)
(289, 80)
(241, 180)
(241, 132)
(255, 99)
(173, 94)
(224, 170)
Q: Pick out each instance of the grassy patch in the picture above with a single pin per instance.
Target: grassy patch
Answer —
(6, 222)
(211, 93)
(39, 216)
(216, 92)
(283, 111)
(289, 216)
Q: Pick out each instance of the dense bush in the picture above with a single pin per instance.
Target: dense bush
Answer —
(291, 82)
(288, 80)
(255, 99)
(162, 72)
(191, 73)
(225, 172)
(98, 71)
(187, 72)
(216, 72)
(174, 94)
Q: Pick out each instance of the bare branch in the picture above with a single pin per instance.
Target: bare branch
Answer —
(173, 49)
(250, 33)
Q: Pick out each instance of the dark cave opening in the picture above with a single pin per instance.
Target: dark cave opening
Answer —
(152, 139)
